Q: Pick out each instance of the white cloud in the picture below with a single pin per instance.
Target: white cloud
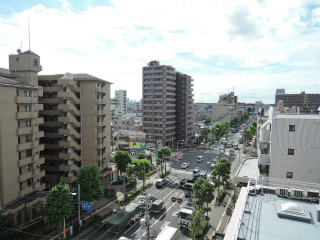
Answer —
(255, 41)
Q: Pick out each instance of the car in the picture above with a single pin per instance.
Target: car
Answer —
(212, 165)
(185, 165)
(161, 183)
(222, 147)
(148, 148)
(199, 159)
(196, 173)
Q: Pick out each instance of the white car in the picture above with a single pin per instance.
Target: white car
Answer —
(185, 165)
(200, 158)
(212, 165)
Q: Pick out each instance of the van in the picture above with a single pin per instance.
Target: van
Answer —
(235, 145)
(203, 174)
(196, 173)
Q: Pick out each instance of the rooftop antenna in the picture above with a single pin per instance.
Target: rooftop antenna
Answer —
(29, 33)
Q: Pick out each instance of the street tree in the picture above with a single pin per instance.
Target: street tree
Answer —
(58, 205)
(122, 158)
(141, 156)
(149, 157)
(221, 173)
(208, 121)
(204, 134)
(203, 191)
(254, 124)
(130, 173)
(141, 167)
(164, 153)
(197, 223)
(90, 183)
(5, 222)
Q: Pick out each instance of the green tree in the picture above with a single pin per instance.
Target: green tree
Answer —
(203, 191)
(141, 156)
(221, 173)
(254, 124)
(204, 134)
(130, 173)
(149, 157)
(90, 183)
(58, 205)
(208, 121)
(122, 158)
(197, 223)
(141, 167)
(164, 153)
(5, 222)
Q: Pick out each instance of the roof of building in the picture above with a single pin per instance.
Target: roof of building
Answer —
(29, 52)
(249, 168)
(86, 77)
(268, 216)
(13, 83)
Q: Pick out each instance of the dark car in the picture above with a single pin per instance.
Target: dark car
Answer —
(161, 183)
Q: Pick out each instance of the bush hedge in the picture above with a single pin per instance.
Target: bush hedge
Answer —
(134, 193)
(151, 172)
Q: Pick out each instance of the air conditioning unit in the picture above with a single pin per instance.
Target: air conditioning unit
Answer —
(312, 194)
(282, 191)
(298, 193)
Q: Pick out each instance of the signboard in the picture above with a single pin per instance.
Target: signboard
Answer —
(134, 145)
(280, 91)
(86, 206)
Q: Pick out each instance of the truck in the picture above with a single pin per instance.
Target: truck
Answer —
(101, 217)
(157, 206)
(128, 215)
(184, 215)
(168, 233)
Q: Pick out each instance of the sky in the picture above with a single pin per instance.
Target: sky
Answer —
(251, 47)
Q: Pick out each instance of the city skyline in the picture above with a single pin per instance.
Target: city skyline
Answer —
(253, 47)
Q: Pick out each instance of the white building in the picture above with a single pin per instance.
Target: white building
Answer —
(289, 145)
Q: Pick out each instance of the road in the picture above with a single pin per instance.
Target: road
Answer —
(169, 216)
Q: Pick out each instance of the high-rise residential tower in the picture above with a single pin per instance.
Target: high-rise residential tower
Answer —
(76, 111)
(167, 104)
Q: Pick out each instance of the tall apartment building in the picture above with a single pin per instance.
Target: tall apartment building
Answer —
(121, 96)
(76, 124)
(289, 146)
(307, 103)
(225, 109)
(167, 104)
(20, 159)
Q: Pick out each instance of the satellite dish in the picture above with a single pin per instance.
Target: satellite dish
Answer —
(18, 50)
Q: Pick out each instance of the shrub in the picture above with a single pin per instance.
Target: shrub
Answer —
(86, 224)
(221, 194)
(151, 172)
(165, 174)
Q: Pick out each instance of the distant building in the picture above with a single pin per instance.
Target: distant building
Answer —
(225, 109)
(167, 104)
(126, 124)
(307, 103)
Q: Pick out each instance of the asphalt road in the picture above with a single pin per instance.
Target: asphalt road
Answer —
(168, 217)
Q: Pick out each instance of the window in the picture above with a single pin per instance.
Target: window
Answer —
(35, 62)
(290, 151)
(27, 93)
(28, 123)
(292, 128)
(98, 130)
(289, 174)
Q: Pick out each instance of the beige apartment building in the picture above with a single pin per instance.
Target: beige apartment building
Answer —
(76, 110)
(225, 109)
(20, 147)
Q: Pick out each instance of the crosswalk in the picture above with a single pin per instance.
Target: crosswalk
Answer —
(226, 152)
(189, 171)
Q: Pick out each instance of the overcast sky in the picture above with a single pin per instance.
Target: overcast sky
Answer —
(253, 47)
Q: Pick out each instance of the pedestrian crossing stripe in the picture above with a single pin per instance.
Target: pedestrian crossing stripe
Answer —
(217, 152)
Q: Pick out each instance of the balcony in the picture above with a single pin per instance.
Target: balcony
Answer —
(101, 101)
(68, 168)
(25, 176)
(25, 191)
(101, 112)
(37, 107)
(38, 121)
(50, 168)
(52, 135)
(69, 132)
(264, 136)
(24, 161)
(51, 112)
(53, 89)
(39, 134)
(68, 179)
(38, 148)
(68, 144)
(22, 99)
(69, 107)
(264, 159)
(24, 146)
(52, 146)
(51, 100)
(71, 120)
(69, 95)
(101, 134)
(25, 130)
(100, 123)
(39, 160)
(70, 83)
(24, 115)
(71, 155)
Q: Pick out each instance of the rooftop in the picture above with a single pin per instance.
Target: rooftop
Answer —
(249, 168)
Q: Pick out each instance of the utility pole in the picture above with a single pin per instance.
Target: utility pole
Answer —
(80, 223)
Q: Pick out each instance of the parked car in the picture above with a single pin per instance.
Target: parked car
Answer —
(161, 183)
(185, 165)
(200, 158)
